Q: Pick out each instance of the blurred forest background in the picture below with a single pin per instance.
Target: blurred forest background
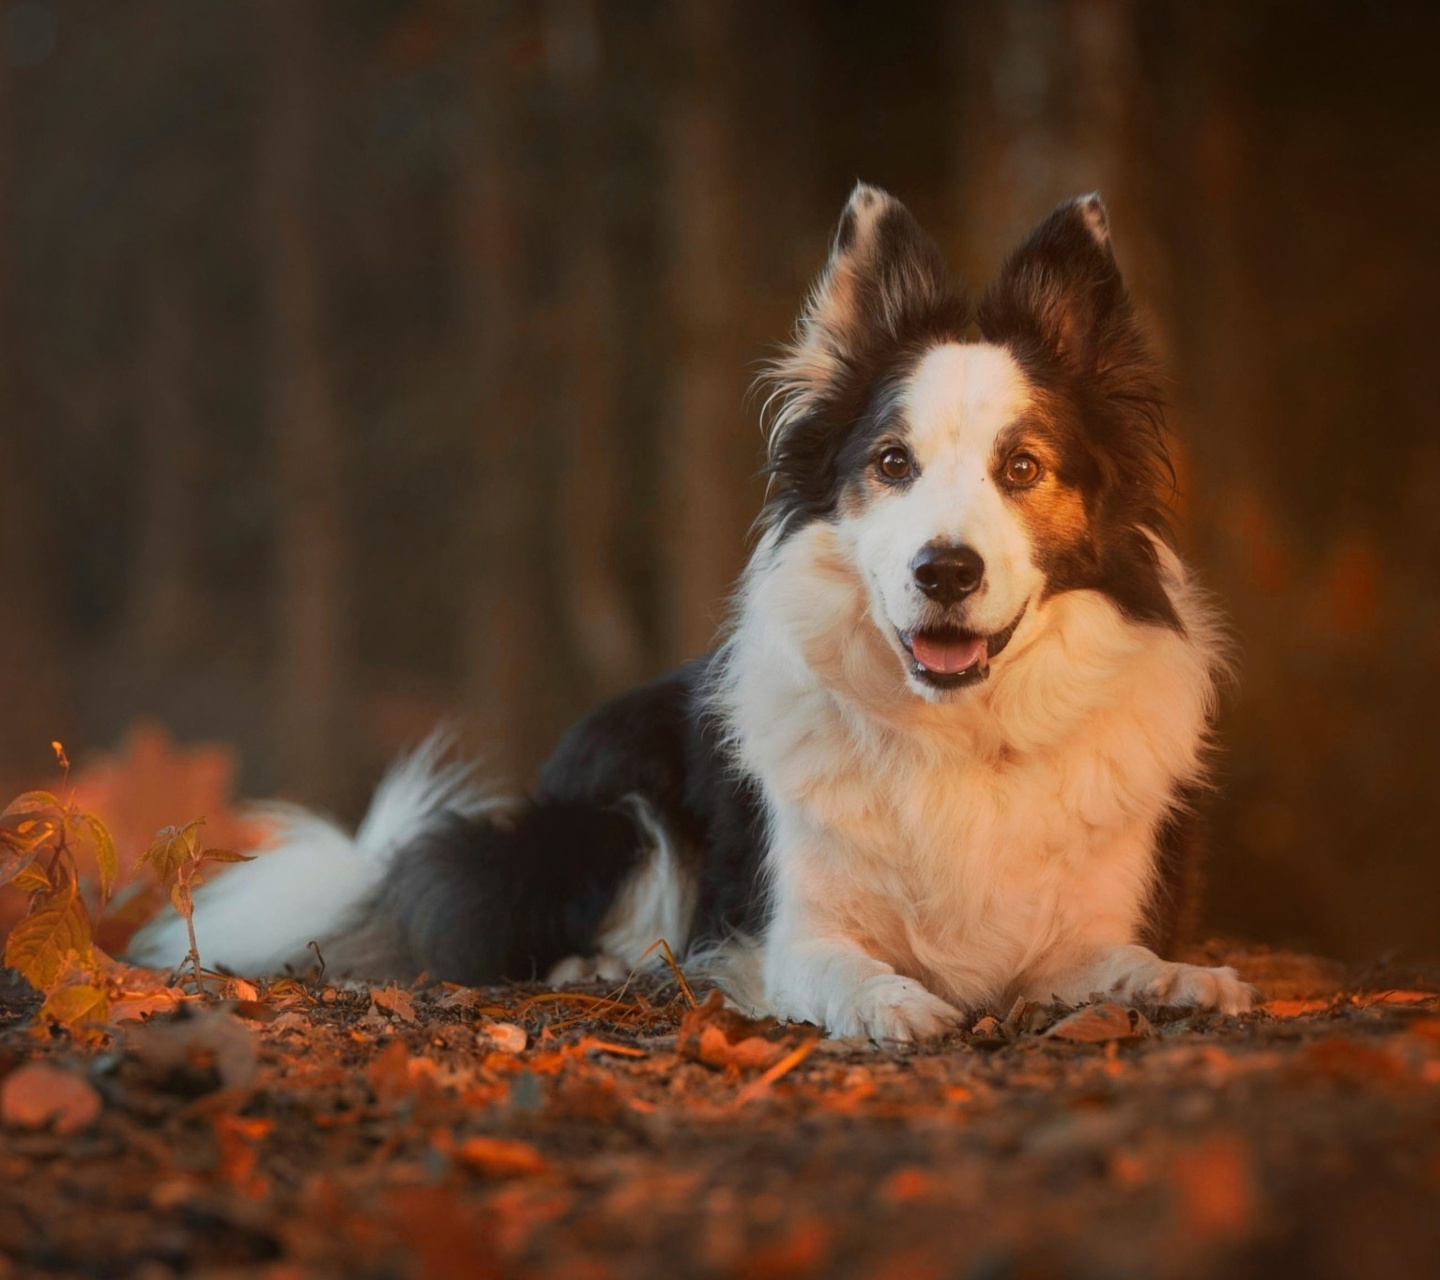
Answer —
(368, 362)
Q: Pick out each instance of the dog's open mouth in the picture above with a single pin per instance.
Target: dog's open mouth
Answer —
(950, 657)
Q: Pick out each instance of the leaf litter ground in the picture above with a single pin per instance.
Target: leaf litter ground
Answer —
(300, 1129)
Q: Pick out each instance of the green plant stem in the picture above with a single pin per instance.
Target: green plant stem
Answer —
(194, 953)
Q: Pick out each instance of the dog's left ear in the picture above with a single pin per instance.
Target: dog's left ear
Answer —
(1061, 290)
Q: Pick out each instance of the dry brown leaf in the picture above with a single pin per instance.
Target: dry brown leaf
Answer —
(1097, 1023)
(721, 1037)
(143, 1004)
(499, 1157)
(507, 1037)
(751, 1053)
(395, 1001)
(39, 1096)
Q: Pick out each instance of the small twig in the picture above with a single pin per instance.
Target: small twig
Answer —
(664, 947)
(315, 947)
(788, 1063)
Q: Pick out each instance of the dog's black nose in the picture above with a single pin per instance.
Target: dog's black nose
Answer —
(947, 573)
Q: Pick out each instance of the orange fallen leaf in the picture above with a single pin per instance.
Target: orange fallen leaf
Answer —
(396, 1002)
(720, 1037)
(1293, 1008)
(507, 1037)
(789, 1062)
(1097, 1023)
(499, 1157)
(39, 1096)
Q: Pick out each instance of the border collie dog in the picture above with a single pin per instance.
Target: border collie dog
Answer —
(945, 754)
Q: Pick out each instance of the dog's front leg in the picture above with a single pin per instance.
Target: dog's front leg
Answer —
(816, 970)
(1133, 974)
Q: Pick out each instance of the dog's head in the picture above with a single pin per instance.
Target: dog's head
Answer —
(972, 481)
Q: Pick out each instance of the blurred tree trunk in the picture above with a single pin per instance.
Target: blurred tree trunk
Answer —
(160, 599)
(29, 712)
(593, 448)
(706, 517)
(508, 643)
(312, 660)
(1051, 105)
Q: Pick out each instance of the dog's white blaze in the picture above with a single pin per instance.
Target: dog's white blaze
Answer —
(956, 403)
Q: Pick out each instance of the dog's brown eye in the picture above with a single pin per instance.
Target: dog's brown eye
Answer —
(894, 463)
(1022, 470)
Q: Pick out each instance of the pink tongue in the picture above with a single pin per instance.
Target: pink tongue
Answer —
(947, 657)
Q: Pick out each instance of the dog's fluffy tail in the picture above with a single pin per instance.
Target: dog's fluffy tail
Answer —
(316, 883)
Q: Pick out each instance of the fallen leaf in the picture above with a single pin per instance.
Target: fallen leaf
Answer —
(39, 1096)
(394, 1001)
(752, 1053)
(137, 1007)
(989, 1033)
(720, 1037)
(507, 1037)
(1294, 1008)
(499, 1157)
(757, 1088)
(1097, 1023)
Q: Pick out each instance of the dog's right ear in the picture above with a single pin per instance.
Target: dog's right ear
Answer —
(885, 287)
(884, 273)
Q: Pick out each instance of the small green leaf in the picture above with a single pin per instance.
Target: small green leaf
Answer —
(171, 849)
(225, 855)
(34, 802)
(20, 836)
(40, 946)
(180, 897)
(32, 879)
(106, 858)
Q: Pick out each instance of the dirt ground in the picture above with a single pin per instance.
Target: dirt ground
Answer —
(301, 1129)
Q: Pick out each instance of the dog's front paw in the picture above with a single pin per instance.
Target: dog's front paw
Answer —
(1188, 986)
(597, 968)
(892, 1009)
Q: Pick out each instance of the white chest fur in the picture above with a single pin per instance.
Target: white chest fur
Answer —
(976, 845)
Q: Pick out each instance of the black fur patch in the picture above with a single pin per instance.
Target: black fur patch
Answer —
(478, 901)
(1061, 308)
(1174, 902)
